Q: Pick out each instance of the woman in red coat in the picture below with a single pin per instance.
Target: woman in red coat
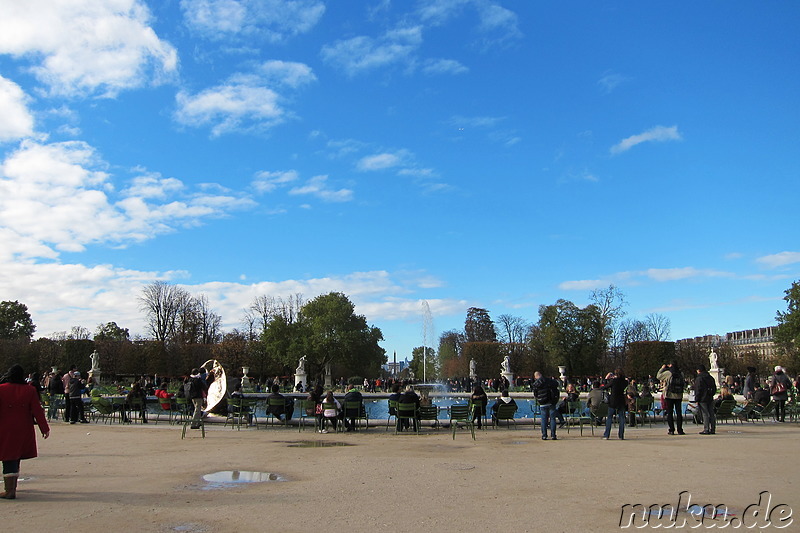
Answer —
(19, 404)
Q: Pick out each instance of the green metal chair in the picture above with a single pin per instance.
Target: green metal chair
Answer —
(763, 412)
(277, 402)
(575, 414)
(644, 407)
(430, 413)
(505, 412)
(356, 406)
(392, 413)
(408, 412)
(307, 406)
(724, 411)
(461, 414)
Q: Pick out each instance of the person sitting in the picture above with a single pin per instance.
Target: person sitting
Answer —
(504, 399)
(283, 409)
(350, 414)
(330, 411)
(409, 396)
(162, 394)
(594, 399)
(761, 396)
(479, 400)
(631, 395)
(394, 397)
(724, 394)
(572, 395)
(135, 396)
(315, 395)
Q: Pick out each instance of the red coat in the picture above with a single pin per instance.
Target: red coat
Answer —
(19, 406)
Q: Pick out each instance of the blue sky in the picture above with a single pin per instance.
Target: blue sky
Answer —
(457, 152)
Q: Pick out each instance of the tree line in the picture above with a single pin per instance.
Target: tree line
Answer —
(183, 332)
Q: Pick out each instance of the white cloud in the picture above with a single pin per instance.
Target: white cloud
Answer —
(287, 73)
(443, 66)
(656, 134)
(582, 285)
(245, 102)
(380, 161)
(365, 53)
(270, 20)
(69, 182)
(269, 181)
(85, 46)
(317, 186)
(611, 81)
(17, 120)
(780, 259)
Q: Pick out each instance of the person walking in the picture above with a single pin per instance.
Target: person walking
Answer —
(195, 390)
(704, 389)
(672, 384)
(617, 401)
(19, 404)
(546, 392)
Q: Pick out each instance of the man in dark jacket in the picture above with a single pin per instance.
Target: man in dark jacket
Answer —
(350, 414)
(546, 392)
(617, 401)
(704, 389)
(195, 390)
(279, 405)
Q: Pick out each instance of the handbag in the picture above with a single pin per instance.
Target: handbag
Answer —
(777, 388)
(319, 409)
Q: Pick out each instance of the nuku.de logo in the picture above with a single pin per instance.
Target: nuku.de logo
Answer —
(685, 514)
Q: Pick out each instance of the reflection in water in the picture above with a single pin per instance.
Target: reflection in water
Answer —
(317, 444)
(241, 476)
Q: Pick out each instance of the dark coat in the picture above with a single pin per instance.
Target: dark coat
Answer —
(616, 393)
(704, 388)
(19, 404)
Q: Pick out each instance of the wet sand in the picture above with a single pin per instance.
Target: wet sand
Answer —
(108, 478)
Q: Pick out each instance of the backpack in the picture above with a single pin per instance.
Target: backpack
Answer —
(191, 389)
(677, 384)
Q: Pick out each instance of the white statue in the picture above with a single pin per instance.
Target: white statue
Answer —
(712, 357)
(95, 357)
(505, 366)
(301, 366)
(472, 368)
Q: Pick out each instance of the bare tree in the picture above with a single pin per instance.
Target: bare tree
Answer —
(659, 326)
(512, 329)
(163, 304)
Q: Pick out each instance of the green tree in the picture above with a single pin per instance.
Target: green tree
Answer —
(15, 321)
(451, 362)
(328, 332)
(424, 365)
(111, 332)
(787, 336)
(479, 326)
(572, 337)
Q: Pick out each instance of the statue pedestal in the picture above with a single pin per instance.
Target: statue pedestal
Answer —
(301, 377)
(95, 375)
(510, 377)
(719, 376)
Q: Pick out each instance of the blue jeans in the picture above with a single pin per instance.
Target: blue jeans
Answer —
(548, 419)
(620, 413)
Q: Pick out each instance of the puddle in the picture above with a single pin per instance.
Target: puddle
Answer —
(188, 527)
(219, 480)
(317, 444)
(456, 466)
